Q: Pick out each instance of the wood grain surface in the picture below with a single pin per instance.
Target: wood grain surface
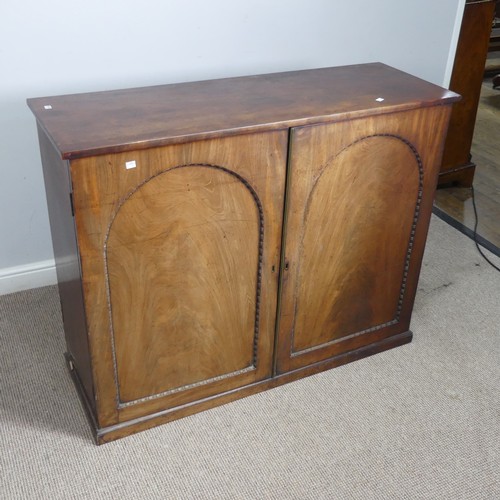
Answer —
(187, 312)
(121, 120)
(358, 203)
(354, 243)
(177, 319)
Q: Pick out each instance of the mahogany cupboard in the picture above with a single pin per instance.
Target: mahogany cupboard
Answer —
(215, 239)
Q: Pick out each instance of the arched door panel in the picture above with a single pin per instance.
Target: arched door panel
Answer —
(182, 257)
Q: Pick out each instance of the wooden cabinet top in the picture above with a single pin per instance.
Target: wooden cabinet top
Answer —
(121, 120)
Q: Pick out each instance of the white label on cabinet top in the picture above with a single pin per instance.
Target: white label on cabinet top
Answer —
(47, 106)
(130, 164)
(380, 99)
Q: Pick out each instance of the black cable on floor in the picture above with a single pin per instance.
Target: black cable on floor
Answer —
(476, 222)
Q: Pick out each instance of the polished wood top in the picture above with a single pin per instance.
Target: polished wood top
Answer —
(106, 122)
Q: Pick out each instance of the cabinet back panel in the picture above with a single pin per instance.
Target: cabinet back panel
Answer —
(191, 236)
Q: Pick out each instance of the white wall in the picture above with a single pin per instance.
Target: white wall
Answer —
(60, 46)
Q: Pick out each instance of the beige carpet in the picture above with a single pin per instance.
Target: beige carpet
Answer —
(418, 422)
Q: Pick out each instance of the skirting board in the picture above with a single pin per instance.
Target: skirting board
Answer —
(34, 275)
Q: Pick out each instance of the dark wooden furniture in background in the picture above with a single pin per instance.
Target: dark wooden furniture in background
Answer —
(215, 239)
(494, 46)
(466, 79)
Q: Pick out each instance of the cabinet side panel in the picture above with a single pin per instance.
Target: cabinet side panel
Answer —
(58, 188)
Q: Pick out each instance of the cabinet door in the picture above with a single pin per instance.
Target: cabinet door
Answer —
(359, 200)
(179, 254)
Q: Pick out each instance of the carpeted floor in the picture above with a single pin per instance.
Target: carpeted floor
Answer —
(417, 422)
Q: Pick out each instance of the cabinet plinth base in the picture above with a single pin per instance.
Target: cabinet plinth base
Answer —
(123, 429)
(82, 395)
